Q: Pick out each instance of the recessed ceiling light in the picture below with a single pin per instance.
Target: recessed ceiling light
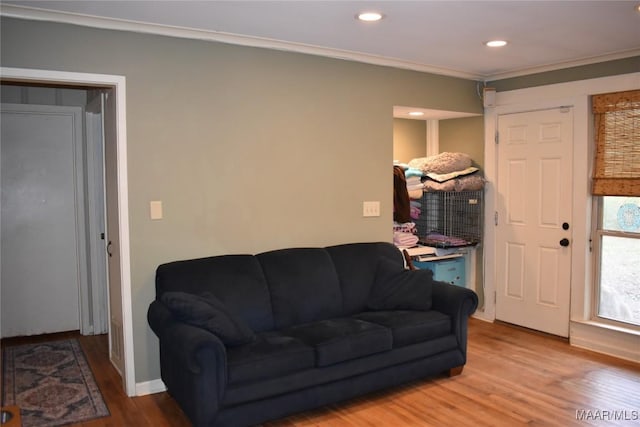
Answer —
(496, 43)
(369, 16)
(416, 113)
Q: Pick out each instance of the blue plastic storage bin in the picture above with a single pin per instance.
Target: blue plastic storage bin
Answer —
(450, 270)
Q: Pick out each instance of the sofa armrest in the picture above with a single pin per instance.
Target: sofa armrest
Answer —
(193, 364)
(454, 300)
(457, 302)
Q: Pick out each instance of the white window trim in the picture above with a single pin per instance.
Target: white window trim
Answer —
(583, 331)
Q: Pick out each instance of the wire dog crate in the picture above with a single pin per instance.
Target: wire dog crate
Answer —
(450, 219)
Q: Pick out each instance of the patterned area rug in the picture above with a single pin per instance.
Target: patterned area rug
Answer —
(52, 384)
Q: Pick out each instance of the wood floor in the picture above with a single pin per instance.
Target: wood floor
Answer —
(513, 377)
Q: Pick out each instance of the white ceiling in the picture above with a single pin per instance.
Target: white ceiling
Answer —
(444, 37)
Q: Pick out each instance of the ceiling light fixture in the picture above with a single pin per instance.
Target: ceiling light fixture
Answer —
(369, 16)
(496, 43)
(416, 113)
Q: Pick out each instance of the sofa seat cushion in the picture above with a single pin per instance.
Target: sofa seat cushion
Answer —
(410, 327)
(271, 354)
(337, 340)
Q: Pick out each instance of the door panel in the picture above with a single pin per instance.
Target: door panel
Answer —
(534, 200)
(116, 335)
(40, 250)
(97, 297)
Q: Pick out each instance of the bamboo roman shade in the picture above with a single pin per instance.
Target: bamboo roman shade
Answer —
(617, 124)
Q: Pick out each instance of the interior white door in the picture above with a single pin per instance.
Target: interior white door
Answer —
(41, 257)
(533, 217)
(97, 295)
(116, 322)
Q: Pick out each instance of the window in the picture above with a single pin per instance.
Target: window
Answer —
(618, 247)
(616, 185)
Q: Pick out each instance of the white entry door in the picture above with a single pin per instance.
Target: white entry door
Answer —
(40, 226)
(533, 236)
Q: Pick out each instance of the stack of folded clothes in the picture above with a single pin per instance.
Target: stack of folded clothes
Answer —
(404, 234)
(414, 183)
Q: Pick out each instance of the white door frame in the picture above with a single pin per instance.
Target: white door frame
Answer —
(118, 83)
(576, 94)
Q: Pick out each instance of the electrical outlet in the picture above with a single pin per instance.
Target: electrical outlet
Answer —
(371, 208)
(155, 209)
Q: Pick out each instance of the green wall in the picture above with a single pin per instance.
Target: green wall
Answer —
(248, 149)
(591, 71)
(465, 135)
(409, 139)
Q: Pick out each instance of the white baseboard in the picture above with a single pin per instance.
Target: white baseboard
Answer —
(482, 315)
(150, 387)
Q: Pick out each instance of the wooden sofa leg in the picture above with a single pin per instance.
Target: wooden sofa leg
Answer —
(455, 371)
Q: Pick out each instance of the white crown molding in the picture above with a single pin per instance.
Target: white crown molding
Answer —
(36, 14)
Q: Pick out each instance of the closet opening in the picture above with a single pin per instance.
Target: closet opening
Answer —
(448, 205)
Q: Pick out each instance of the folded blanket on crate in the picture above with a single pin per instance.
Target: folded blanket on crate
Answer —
(439, 239)
(441, 163)
(471, 182)
(439, 177)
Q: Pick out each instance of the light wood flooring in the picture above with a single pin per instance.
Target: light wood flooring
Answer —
(513, 377)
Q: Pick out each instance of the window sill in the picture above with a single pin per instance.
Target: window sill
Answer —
(601, 337)
(610, 326)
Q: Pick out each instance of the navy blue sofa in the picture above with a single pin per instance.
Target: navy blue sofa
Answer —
(250, 338)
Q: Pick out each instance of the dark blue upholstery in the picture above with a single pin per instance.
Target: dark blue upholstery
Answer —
(236, 280)
(317, 340)
(410, 327)
(337, 340)
(271, 354)
(357, 270)
(303, 283)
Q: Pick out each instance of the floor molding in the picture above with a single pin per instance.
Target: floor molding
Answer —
(150, 387)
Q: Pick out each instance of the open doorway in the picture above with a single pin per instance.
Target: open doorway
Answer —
(421, 132)
(53, 213)
(111, 91)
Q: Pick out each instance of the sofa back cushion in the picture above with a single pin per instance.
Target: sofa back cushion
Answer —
(236, 281)
(303, 283)
(356, 265)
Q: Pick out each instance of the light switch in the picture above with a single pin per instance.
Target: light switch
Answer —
(371, 208)
(155, 209)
